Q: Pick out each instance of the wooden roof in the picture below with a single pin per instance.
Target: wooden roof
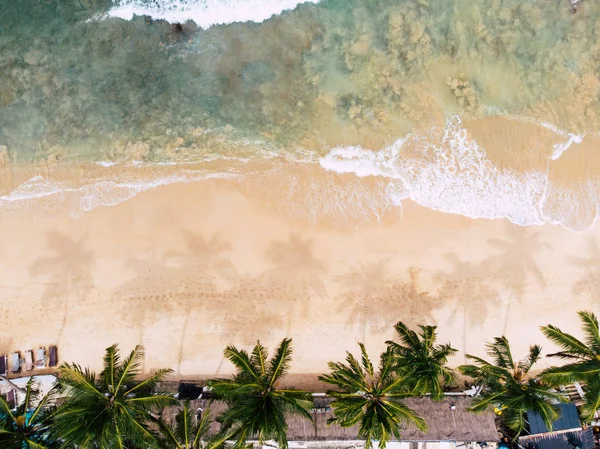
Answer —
(445, 423)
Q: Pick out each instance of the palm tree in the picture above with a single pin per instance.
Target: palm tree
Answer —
(584, 357)
(510, 387)
(256, 405)
(189, 431)
(421, 361)
(112, 410)
(371, 399)
(27, 426)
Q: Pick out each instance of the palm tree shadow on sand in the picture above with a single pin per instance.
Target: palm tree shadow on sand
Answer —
(296, 273)
(179, 284)
(515, 263)
(204, 258)
(246, 310)
(70, 268)
(467, 286)
(589, 284)
(375, 302)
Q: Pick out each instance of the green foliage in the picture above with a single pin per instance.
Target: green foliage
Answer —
(27, 425)
(421, 361)
(584, 361)
(371, 399)
(113, 410)
(189, 431)
(256, 406)
(510, 387)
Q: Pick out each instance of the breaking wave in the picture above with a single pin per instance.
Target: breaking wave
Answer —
(205, 13)
(443, 170)
(456, 176)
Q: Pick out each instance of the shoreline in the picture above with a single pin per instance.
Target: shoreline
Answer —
(186, 269)
(493, 168)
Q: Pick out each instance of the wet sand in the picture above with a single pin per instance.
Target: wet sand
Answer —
(186, 269)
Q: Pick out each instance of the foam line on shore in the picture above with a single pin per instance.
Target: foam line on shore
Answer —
(455, 176)
(101, 192)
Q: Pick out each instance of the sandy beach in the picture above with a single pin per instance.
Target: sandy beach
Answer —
(188, 268)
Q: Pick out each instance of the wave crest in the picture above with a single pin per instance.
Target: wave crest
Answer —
(456, 176)
(205, 13)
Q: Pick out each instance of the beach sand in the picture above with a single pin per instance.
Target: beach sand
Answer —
(186, 269)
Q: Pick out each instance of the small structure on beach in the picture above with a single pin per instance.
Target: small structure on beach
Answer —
(566, 433)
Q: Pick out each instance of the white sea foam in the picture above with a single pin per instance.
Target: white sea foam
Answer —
(102, 192)
(454, 175)
(205, 13)
(559, 148)
(444, 170)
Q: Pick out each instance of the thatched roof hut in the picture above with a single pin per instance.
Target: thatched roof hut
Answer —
(448, 420)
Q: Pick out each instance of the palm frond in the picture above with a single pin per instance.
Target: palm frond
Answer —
(255, 404)
(79, 380)
(590, 327)
(202, 427)
(421, 361)
(297, 407)
(151, 383)
(428, 335)
(280, 362)
(365, 361)
(483, 402)
(592, 401)
(169, 439)
(533, 357)
(153, 401)
(567, 342)
(259, 358)
(112, 359)
(130, 368)
(407, 336)
(500, 352)
(386, 367)
(370, 399)
(218, 441)
(241, 361)
(183, 424)
(507, 384)
(42, 405)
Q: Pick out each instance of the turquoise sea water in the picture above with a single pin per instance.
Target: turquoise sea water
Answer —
(84, 85)
(89, 80)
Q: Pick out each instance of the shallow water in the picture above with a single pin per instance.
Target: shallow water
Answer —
(407, 91)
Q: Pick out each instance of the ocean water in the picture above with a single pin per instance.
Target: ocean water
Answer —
(484, 108)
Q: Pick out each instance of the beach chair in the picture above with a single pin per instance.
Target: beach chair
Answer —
(11, 397)
(15, 362)
(40, 358)
(2, 365)
(53, 356)
(28, 360)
